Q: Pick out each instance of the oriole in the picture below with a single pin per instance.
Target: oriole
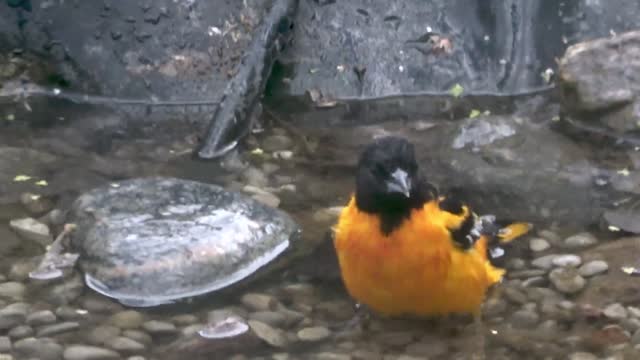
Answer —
(405, 250)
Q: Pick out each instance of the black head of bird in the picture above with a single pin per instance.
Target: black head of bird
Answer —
(388, 181)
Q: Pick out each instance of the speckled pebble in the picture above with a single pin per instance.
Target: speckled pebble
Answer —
(567, 280)
(55, 329)
(539, 244)
(12, 290)
(124, 344)
(544, 262)
(615, 311)
(84, 352)
(580, 240)
(43, 317)
(315, 333)
(568, 260)
(259, 302)
(270, 335)
(156, 327)
(5, 344)
(582, 356)
(21, 332)
(524, 319)
(593, 268)
(128, 319)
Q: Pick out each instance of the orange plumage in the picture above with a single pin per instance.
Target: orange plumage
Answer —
(413, 266)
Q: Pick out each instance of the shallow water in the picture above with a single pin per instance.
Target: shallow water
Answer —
(304, 305)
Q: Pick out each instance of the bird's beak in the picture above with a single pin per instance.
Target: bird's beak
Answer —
(399, 182)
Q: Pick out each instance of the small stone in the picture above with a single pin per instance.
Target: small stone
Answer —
(316, 333)
(128, 319)
(494, 307)
(85, 352)
(582, 356)
(100, 305)
(35, 204)
(20, 270)
(192, 329)
(69, 313)
(156, 327)
(395, 338)
(21, 332)
(259, 302)
(568, 260)
(331, 356)
(615, 311)
(635, 339)
(255, 177)
(630, 324)
(43, 317)
(276, 143)
(593, 268)
(567, 280)
(67, 292)
(270, 335)
(539, 244)
(580, 240)
(273, 318)
(56, 217)
(524, 319)
(33, 230)
(634, 311)
(126, 345)
(515, 296)
(185, 319)
(429, 347)
(139, 336)
(50, 330)
(13, 315)
(136, 357)
(536, 281)
(5, 344)
(544, 262)
(42, 349)
(267, 198)
(101, 334)
(219, 315)
(336, 309)
(327, 215)
(12, 290)
(301, 290)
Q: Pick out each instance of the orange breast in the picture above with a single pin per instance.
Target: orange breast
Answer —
(414, 270)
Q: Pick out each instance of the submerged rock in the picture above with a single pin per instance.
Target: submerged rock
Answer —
(152, 241)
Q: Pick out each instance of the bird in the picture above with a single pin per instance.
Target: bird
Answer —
(404, 249)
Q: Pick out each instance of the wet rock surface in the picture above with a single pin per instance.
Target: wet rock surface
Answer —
(118, 231)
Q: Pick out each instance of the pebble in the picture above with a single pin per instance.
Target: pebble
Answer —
(50, 330)
(5, 344)
(20, 270)
(580, 240)
(515, 296)
(567, 280)
(85, 352)
(21, 332)
(12, 315)
(184, 319)
(156, 327)
(429, 347)
(100, 305)
(539, 244)
(327, 215)
(331, 356)
(124, 344)
(43, 317)
(544, 262)
(524, 319)
(634, 311)
(101, 334)
(137, 357)
(536, 281)
(316, 333)
(270, 335)
(259, 302)
(35, 204)
(254, 177)
(615, 311)
(128, 319)
(568, 260)
(593, 268)
(42, 349)
(267, 198)
(68, 292)
(273, 318)
(582, 356)
(635, 339)
(33, 230)
(139, 336)
(12, 290)
(192, 329)
(276, 143)
(69, 313)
